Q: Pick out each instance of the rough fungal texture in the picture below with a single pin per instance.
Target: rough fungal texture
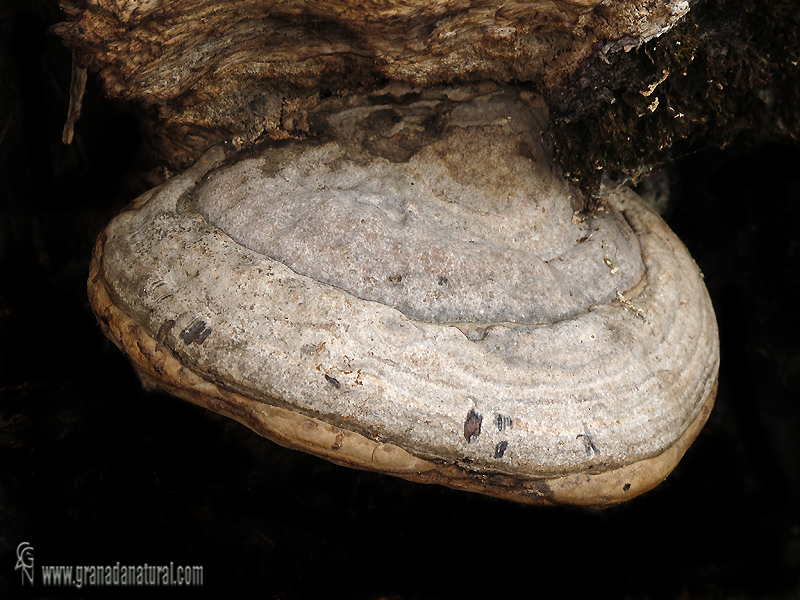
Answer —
(248, 67)
(588, 401)
(443, 221)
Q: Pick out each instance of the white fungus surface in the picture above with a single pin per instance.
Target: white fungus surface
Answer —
(472, 225)
(311, 282)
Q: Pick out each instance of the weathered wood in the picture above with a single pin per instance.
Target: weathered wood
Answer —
(208, 70)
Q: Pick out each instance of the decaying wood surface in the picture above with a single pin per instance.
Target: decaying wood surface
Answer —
(206, 70)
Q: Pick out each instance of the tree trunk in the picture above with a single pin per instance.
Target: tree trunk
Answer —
(202, 71)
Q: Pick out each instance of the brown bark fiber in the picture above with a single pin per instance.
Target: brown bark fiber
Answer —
(206, 70)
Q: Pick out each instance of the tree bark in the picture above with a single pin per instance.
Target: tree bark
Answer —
(202, 71)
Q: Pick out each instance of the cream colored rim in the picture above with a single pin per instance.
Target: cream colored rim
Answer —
(160, 368)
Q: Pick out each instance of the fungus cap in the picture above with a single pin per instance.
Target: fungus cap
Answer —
(419, 292)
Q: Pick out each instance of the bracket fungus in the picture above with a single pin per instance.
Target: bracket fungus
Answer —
(418, 291)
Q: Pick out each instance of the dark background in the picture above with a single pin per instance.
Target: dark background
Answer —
(93, 470)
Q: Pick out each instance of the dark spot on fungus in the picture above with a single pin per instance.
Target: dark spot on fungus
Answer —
(395, 279)
(500, 449)
(164, 330)
(442, 280)
(337, 443)
(195, 333)
(626, 487)
(333, 381)
(541, 489)
(524, 149)
(588, 442)
(502, 422)
(386, 140)
(472, 426)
